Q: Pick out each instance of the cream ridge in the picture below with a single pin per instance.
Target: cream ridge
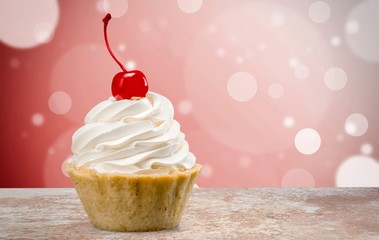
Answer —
(132, 137)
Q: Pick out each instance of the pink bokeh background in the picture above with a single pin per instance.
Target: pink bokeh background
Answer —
(268, 93)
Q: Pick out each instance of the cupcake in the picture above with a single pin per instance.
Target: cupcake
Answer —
(132, 168)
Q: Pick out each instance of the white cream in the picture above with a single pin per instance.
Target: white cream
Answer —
(132, 136)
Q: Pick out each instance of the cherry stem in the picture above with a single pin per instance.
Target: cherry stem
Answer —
(106, 20)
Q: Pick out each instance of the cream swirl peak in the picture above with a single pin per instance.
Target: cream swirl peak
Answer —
(132, 136)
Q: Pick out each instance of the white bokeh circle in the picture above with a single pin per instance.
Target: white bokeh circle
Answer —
(356, 125)
(358, 171)
(335, 41)
(361, 34)
(100, 6)
(240, 60)
(367, 149)
(185, 107)
(27, 24)
(64, 165)
(289, 122)
(162, 23)
(352, 27)
(262, 46)
(298, 178)
(242, 86)
(307, 141)
(60, 102)
(57, 155)
(145, 25)
(319, 12)
(121, 47)
(189, 6)
(220, 52)
(212, 28)
(207, 171)
(43, 32)
(276, 90)
(130, 65)
(277, 19)
(37, 119)
(117, 8)
(293, 62)
(24, 134)
(51, 151)
(301, 72)
(335, 78)
(245, 161)
(14, 63)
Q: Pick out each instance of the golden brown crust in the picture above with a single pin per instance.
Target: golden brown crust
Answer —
(133, 202)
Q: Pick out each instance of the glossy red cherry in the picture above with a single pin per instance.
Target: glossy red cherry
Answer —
(126, 84)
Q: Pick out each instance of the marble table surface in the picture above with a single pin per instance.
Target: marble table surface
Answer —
(214, 213)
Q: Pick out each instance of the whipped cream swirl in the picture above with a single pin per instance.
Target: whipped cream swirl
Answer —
(132, 136)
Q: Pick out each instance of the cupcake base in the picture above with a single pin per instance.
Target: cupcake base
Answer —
(133, 203)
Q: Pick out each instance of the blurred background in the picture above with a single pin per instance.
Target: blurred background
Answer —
(269, 93)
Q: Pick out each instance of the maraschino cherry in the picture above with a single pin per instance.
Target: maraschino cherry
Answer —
(126, 84)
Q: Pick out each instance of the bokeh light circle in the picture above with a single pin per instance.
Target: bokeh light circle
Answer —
(352, 27)
(301, 72)
(64, 165)
(38, 119)
(207, 171)
(57, 155)
(361, 36)
(185, 107)
(319, 12)
(358, 171)
(145, 25)
(242, 86)
(262, 46)
(245, 161)
(298, 178)
(60, 102)
(356, 125)
(307, 141)
(220, 52)
(335, 78)
(121, 47)
(51, 151)
(162, 23)
(293, 62)
(288, 122)
(190, 6)
(277, 19)
(117, 8)
(130, 65)
(276, 90)
(335, 41)
(43, 32)
(26, 24)
(340, 137)
(240, 60)
(14, 63)
(367, 149)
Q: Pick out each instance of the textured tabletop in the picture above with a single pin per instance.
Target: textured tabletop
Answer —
(348, 213)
